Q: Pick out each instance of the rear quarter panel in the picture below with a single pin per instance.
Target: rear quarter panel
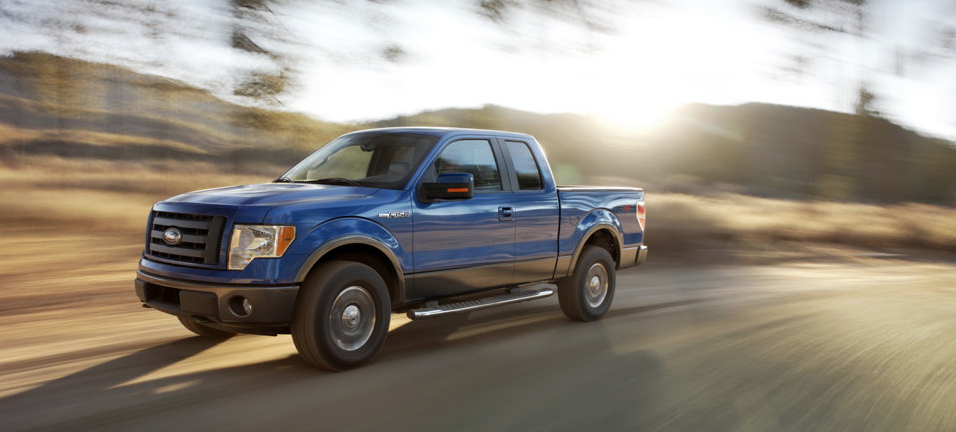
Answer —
(585, 210)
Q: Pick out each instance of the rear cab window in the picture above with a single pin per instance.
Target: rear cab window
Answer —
(525, 166)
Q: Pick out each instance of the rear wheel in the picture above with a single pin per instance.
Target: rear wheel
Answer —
(342, 315)
(587, 294)
(203, 330)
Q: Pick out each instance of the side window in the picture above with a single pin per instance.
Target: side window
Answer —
(474, 157)
(529, 177)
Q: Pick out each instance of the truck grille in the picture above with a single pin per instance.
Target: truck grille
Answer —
(201, 237)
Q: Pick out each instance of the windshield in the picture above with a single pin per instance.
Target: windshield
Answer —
(372, 159)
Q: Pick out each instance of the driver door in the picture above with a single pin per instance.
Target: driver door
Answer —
(465, 245)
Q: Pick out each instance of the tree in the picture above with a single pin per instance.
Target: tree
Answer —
(865, 102)
(880, 54)
(261, 86)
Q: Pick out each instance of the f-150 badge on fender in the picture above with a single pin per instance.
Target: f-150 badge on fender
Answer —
(393, 215)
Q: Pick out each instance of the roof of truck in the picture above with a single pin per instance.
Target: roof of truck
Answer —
(442, 131)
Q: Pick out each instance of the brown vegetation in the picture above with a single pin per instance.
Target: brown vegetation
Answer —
(677, 222)
(99, 196)
(56, 195)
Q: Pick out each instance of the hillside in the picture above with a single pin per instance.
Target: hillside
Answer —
(57, 107)
(807, 153)
(63, 107)
(758, 149)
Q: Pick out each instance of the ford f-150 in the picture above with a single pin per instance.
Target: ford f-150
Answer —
(425, 221)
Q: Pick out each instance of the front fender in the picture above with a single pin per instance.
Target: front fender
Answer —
(353, 231)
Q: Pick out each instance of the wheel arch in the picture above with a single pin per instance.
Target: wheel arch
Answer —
(605, 236)
(365, 250)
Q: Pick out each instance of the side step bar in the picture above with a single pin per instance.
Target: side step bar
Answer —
(434, 310)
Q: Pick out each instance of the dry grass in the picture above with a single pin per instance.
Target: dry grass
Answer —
(73, 229)
(103, 196)
(676, 221)
(58, 196)
(9, 135)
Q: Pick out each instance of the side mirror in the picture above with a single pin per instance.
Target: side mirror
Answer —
(450, 186)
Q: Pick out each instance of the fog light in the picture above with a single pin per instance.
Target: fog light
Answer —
(240, 306)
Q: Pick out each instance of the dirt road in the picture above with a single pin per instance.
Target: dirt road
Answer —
(864, 344)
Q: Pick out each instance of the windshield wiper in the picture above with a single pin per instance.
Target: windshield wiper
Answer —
(283, 180)
(336, 180)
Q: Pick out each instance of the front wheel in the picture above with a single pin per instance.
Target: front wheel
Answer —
(342, 315)
(587, 294)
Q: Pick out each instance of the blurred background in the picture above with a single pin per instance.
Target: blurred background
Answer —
(813, 135)
(750, 120)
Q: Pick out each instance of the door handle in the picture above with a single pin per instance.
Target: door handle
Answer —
(506, 213)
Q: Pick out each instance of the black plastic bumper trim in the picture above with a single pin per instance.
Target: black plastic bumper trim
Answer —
(271, 304)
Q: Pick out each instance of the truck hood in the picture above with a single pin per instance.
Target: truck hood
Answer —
(274, 194)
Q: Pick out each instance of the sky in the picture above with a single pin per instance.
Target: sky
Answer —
(627, 61)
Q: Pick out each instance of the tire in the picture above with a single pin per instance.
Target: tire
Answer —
(342, 315)
(203, 330)
(588, 293)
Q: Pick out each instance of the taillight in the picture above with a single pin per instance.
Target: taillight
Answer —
(640, 214)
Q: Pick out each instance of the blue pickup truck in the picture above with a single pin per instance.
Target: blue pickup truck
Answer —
(425, 221)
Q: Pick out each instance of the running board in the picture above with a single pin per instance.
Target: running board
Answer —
(431, 311)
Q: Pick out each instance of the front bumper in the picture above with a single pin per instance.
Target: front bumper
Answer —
(220, 304)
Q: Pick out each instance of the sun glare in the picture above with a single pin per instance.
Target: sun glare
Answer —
(631, 78)
(639, 111)
(647, 73)
(663, 60)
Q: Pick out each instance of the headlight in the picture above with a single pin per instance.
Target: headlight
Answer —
(258, 241)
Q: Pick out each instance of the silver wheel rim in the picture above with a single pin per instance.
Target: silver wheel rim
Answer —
(595, 285)
(352, 318)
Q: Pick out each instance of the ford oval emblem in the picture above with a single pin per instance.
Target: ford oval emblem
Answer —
(172, 236)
